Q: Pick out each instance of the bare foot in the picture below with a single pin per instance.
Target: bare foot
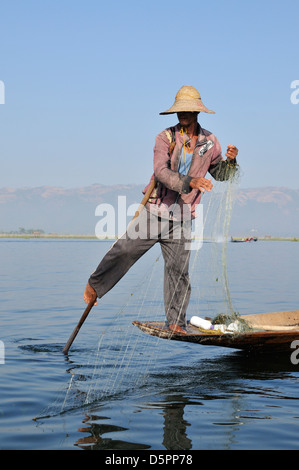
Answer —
(176, 329)
(90, 294)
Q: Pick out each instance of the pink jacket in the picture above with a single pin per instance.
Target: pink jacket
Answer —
(173, 189)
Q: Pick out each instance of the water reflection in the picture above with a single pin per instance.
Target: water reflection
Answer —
(175, 436)
(215, 396)
(95, 441)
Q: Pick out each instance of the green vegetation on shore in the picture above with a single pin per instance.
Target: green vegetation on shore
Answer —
(36, 234)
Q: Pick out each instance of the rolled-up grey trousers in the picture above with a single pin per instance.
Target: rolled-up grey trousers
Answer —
(141, 235)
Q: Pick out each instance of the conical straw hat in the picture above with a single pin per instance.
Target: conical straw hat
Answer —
(188, 99)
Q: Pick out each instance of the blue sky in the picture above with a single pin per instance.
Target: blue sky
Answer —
(85, 82)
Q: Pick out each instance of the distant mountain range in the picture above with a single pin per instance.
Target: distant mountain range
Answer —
(257, 211)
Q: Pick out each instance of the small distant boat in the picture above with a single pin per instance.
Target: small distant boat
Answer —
(267, 333)
(242, 240)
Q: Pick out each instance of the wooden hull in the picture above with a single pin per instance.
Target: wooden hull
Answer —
(271, 332)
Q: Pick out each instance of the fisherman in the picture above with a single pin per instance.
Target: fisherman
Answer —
(183, 155)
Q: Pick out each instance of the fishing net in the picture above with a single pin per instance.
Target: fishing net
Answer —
(241, 325)
(124, 357)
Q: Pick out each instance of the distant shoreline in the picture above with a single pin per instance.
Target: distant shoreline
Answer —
(49, 235)
(93, 237)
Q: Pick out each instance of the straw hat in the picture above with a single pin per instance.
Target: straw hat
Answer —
(188, 99)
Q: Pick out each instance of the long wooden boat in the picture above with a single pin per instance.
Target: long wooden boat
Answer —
(243, 240)
(267, 332)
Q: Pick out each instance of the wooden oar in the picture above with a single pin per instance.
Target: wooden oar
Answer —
(273, 327)
(145, 199)
(76, 330)
(92, 301)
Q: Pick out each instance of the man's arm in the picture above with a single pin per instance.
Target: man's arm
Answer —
(224, 169)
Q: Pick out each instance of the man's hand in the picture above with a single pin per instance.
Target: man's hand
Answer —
(89, 294)
(202, 184)
(232, 152)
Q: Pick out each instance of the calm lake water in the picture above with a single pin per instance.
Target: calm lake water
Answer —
(121, 389)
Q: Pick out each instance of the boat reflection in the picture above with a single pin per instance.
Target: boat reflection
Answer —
(213, 396)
